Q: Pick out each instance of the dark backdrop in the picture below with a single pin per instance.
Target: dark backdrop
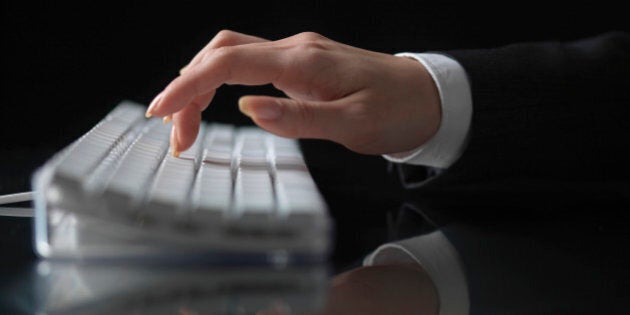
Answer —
(66, 65)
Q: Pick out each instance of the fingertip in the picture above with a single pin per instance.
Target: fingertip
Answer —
(272, 114)
(183, 69)
(150, 110)
(174, 142)
(260, 108)
(244, 106)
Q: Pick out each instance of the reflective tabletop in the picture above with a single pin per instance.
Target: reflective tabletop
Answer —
(529, 251)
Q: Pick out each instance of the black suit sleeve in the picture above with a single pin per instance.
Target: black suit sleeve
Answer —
(545, 112)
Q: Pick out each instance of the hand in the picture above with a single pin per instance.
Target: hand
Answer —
(382, 289)
(370, 102)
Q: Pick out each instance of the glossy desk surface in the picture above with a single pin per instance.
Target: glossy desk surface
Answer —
(526, 252)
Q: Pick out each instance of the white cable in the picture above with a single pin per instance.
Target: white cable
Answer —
(18, 197)
(16, 212)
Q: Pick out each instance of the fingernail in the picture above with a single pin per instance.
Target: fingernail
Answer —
(167, 119)
(174, 145)
(152, 105)
(241, 106)
(183, 69)
(267, 110)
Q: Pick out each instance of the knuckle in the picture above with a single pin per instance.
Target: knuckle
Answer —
(222, 38)
(310, 53)
(225, 33)
(310, 50)
(309, 36)
(222, 54)
(310, 42)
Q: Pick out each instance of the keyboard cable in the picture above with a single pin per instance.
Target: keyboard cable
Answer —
(15, 198)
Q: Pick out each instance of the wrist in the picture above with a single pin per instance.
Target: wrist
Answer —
(449, 142)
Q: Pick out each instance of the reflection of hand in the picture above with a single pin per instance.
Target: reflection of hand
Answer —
(384, 289)
(371, 102)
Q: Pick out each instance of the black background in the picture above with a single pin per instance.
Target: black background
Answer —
(65, 65)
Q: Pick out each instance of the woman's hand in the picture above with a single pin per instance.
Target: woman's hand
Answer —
(370, 102)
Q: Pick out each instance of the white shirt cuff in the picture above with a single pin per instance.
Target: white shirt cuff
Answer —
(439, 259)
(445, 147)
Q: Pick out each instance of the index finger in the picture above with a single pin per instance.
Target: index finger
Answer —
(249, 64)
(222, 39)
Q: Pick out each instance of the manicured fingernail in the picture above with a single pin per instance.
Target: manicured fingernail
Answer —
(156, 100)
(167, 119)
(268, 110)
(183, 69)
(174, 144)
(242, 107)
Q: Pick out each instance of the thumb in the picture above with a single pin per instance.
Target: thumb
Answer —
(290, 118)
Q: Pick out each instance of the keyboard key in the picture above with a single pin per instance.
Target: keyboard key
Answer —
(251, 148)
(218, 144)
(212, 194)
(253, 197)
(299, 201)
(140, 163)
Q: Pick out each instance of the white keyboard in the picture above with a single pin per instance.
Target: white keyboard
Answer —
(237, 192)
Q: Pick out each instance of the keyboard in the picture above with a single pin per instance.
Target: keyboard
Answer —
(239, 194)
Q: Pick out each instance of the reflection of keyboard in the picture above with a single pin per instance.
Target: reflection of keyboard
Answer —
(238, 191)
(144, 289)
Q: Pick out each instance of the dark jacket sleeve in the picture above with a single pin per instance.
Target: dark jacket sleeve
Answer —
(544, 112)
